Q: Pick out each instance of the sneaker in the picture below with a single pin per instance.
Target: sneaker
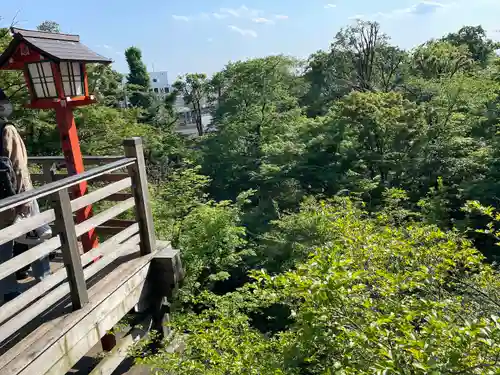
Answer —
(36, 236)
(22, 275)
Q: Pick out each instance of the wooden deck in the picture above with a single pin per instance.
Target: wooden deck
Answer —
(53, 324)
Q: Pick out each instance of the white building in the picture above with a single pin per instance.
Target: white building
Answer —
(187, 120)
(159, 83)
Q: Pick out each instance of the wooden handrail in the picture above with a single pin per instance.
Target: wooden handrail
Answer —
(135, 240)
(11, 308)
(45, 248)
(15, 230)
(54, 187)
(86, 159)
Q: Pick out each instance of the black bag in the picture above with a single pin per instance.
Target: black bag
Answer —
(8, 178)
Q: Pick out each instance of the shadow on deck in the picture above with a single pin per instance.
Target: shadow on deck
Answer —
(54, 324)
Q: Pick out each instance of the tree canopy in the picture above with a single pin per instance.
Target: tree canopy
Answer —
(338, 214)
(49, 26)
(138, 79)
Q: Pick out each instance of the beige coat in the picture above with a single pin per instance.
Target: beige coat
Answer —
(15, 150)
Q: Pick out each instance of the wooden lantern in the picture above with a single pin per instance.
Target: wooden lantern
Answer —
(54, 67)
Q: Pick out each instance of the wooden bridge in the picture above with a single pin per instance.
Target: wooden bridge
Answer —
(54, 323)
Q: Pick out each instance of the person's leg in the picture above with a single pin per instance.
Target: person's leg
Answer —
(8, 286)
(40, 267)
(18, 250)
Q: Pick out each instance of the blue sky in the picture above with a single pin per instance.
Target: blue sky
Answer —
(203, 35)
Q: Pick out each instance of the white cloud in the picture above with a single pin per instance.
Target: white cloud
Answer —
(241, 12)
(219, 16)
(263, 20)
(425, 7)
(106, 46)
(330, 6)
(244, 32)
(210, 40)
(181, 18)
(232, 12)
(357, 17)
(281, 16)
(422, 8)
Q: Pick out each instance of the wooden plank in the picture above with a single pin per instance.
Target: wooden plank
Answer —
(48, 189)
(37, 178)
(36, 291)
(110, 246)
(28, 257)
(107, 231)
(166, 271)
(65, 226)
(34, 338)
(48, 172)
(88, 341)
(100, 194)
(104, 216)
(87, 160)
(120, 352)
(11, 326)
(119, 223)
(137, 171)
(111, 177)
(118, 197)
(42, 356)
(15, 230)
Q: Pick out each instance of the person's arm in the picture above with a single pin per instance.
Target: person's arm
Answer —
(15, 152)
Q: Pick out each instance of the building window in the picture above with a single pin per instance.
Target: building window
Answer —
(155, 80)
(155, 89)
(167, 90)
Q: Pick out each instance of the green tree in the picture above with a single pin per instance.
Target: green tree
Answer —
(138, 79)
(324, 86)
(193, 89)
(255, 144)
(368, 142)
(106, 83)
(361, 59)
(481, 48)
(373, 298)
(49, 27)
(437, 59)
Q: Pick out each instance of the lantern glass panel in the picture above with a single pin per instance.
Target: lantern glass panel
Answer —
(42, 79)
(71, 74)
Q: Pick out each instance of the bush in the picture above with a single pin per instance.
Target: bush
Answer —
(372, 299)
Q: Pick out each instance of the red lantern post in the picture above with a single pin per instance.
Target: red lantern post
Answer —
(56, 77)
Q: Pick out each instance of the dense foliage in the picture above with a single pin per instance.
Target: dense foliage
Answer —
(138, 78)
(371, 299)
(335, 218)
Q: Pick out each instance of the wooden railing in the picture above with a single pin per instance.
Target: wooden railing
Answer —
(130, 236)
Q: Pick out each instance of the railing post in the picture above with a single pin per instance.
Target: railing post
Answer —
(137, 171)
(48, 172)
(65, 227)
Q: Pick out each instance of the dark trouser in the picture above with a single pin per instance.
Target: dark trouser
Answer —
(20, 248)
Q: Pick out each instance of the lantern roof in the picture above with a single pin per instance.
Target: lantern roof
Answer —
(52, 46)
